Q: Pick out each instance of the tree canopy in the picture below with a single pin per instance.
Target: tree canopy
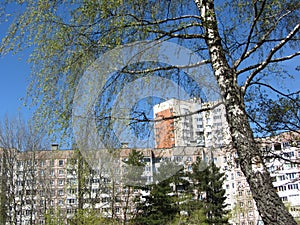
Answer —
(245, 43)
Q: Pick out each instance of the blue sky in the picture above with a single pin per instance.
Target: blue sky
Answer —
(14, 74)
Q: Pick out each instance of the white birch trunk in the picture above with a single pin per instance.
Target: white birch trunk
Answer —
(269, 205)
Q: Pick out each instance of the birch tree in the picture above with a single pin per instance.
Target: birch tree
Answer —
(18, 175)
(245, 43)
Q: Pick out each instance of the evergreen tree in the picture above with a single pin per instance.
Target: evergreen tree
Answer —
(208, 182)
(134, 168)
(245, 43)
(160, 206)
(133, 179)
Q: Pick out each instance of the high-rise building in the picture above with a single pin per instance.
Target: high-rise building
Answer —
(189, 123)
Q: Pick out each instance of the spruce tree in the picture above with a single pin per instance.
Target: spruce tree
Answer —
(208, 182)
(161, 205)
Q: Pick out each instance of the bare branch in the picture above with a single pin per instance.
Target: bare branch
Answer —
(145, 119)
(204, 62)
(261, 42)
(275, 90)
(269, 59)
(255, 20)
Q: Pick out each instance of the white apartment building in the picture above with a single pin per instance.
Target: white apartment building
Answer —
(283, 164)
(189, 123)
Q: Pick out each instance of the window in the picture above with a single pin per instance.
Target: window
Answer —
(284, 199)
(60, 201)
(95, 181)
(60, 192)
(217, 117)
(217, 124)
(52, 162)
(106, 180)
(250, 213)
(52, 172)
(69, 211)
(72, 181)
(249, 204)
(71, 201)
(71, 191)
(29, 163)
(178, 158)
(292, 186)
(61, 162)
(291, 175)
(60, 182)
(282, 188)
(146, 159)
(61, 172)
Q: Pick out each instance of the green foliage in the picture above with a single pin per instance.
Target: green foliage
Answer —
(89, 217)
(160, 206)
(173, 201)
(67, 36)
(273, 114)
(194, 218)
(134, 168)
(208, 182)
(54, 217)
